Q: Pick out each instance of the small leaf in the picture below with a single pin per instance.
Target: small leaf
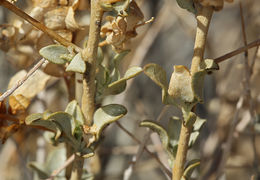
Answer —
(162, 134)
(210, 65)
(158, 75)
(65, 122)
(77, 64)
(18, 103)
(188, 5)
(55, 159)
(174, 129)
(53, 52)
(198, 84)
(74, 110)
(190, 167)
(119, 57)
(106, 115)
(120, 85)
(180, 88)
(196, 130)
(37, 120)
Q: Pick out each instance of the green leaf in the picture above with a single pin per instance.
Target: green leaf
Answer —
(106, 115)
(162, 134)
(119, 57)
(198, 85)
(196, 130)
(55, 159)
(64, 120)
(75, 111)
(188, 5)
(77, 64)
(53, 53)
(37, 120)
(120, 85)
(174, 129)
(190, 167)
(158, 75)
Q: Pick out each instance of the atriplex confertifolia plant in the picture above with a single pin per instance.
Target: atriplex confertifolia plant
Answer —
(80, 126)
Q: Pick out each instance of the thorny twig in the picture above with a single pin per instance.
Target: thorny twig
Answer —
(57, 171)
(37, 24)
(22, 80)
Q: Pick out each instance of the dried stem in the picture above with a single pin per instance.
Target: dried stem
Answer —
(89, 55)
(203, 21)
(248, 73)
(77, 168)
(166, 170)
(37, 24)
(237, 51)
(22, 80)
(66, 164)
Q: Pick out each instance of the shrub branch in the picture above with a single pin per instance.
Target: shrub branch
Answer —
(89, 55)
(203, 20)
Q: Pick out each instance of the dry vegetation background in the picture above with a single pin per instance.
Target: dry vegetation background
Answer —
(167, 41)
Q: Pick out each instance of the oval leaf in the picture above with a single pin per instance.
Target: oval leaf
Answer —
(53, 52)
(77, 64)
(106, 115)
(120, 85)
(162, 134)
(180, 88)
(74, 110)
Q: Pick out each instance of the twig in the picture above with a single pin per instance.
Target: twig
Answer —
(203, 21)
(57, 171)
(37, 24)
(248, 73)
(237, 51)
(227, 147)
(22, 80)
(166, 170)
(89, 55)
(142, 144)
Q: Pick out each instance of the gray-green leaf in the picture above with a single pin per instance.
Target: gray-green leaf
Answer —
(77, 64)
(53, 53)
(106, 115)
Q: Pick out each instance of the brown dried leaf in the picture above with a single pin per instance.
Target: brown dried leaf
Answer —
(7, 131)
(32, 86)
(70, 20)
(55, 70)
(18, 104)
(55, 19)
(180, 86)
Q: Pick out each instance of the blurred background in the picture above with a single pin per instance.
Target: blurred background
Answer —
(230, 135)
